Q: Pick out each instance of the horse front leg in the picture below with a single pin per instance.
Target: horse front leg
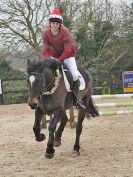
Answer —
(52, 127)
(58, 133)
(37, 128)
(81, 116)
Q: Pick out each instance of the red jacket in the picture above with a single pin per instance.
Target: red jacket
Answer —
(59, 46)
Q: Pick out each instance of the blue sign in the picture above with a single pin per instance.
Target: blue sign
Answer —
(128, 81)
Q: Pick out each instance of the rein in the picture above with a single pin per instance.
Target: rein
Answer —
(56, 83)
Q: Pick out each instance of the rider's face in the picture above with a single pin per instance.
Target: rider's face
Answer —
(54, 26)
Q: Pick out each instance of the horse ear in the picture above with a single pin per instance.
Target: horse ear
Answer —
(28, 63)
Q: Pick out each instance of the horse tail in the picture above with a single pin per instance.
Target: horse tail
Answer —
(91, 108)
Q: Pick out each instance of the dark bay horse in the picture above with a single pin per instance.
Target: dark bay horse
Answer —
(48, 95)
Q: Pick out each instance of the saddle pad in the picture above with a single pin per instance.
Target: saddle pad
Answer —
(81, 79)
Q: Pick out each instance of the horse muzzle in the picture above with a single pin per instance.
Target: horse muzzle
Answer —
(34, 106)
(33, 102)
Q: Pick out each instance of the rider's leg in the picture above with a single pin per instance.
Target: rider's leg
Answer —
(72, 66)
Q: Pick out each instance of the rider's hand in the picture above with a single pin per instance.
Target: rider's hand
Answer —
(53, 58)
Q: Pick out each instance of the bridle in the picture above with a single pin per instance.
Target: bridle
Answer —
(54, 81)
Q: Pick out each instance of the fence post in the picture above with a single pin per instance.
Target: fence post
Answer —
(1, 92)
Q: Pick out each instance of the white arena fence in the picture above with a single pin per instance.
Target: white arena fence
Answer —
(113, 96)
(113, 104)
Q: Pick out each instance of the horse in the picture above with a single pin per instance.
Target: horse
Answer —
(48, 95)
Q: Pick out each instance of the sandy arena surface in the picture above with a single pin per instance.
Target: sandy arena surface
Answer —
(106, 142)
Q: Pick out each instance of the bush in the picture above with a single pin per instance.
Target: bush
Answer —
(15, 91)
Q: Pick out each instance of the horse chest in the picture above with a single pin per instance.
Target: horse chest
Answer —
(46, 106)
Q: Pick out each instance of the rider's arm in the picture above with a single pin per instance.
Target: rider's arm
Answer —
(47, 50)
(67, 47)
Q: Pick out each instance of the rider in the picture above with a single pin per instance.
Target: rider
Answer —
(58, 44)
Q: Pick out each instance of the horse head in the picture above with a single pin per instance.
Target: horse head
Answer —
(40, 75)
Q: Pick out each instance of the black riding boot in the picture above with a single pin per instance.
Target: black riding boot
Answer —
(79, 103)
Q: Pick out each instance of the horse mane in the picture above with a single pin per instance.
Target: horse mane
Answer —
(39, 65)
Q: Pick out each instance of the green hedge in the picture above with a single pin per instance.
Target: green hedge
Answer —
(18, 87)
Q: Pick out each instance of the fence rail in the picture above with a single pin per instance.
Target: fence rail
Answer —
(15, 91)
(112, 113)
(113, 96)
(12, 91)
(122, 104)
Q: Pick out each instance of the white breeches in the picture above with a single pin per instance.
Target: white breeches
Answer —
(72, 66)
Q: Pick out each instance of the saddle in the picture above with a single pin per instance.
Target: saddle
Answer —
(68, 79)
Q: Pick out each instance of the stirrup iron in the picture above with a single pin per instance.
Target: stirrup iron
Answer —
(80, 104)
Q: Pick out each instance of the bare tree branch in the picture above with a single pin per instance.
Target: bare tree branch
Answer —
(25, 19)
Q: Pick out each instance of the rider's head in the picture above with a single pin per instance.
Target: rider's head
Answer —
(56, 16)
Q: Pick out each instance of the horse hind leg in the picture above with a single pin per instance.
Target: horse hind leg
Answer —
(43, 122)
(59, 131)
(81, 116)
(72, 121)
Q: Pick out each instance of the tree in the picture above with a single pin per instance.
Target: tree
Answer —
(21, 24)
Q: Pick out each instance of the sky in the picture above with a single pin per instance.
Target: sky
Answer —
(129, 1)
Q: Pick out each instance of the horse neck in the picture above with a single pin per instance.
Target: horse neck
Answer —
(49, 75)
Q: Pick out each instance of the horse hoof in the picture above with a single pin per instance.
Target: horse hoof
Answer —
(49, 156)
(57, 143)
(75, 153)
(41, 137)
(73, 124)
